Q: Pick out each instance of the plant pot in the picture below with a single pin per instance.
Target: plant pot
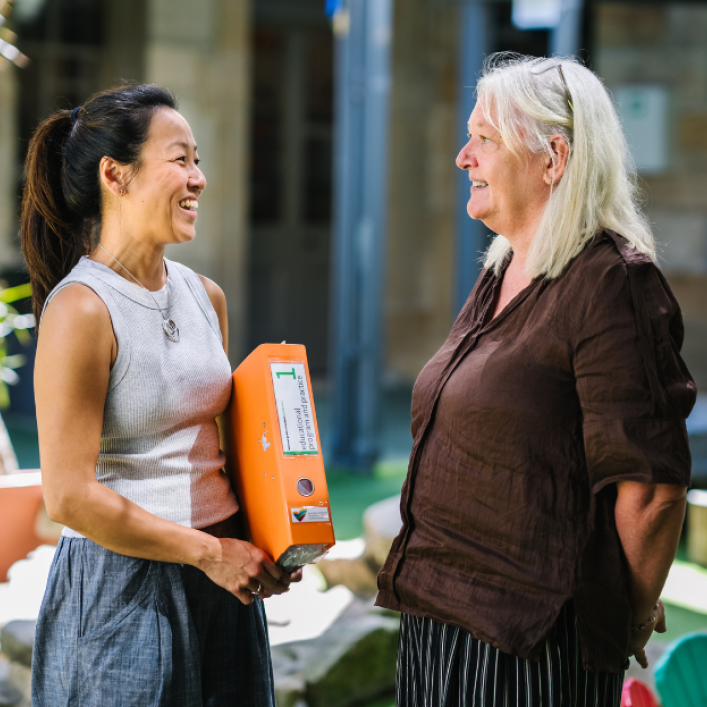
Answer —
(21, 500)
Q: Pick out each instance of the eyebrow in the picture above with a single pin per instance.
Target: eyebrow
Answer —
(185, 145)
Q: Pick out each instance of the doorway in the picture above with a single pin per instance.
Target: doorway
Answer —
(290, 178)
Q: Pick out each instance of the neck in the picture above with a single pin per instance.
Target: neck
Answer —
(141, 258)
(521, 238)
(521, 248)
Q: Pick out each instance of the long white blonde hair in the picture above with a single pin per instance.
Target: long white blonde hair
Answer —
(598, 188)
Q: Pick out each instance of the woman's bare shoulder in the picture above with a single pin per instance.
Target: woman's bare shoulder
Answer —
(218, 302)
(76, 315)
(217, 297)
(215, 293)
(76, 303)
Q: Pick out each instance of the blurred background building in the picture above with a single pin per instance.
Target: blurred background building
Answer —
(257, 81)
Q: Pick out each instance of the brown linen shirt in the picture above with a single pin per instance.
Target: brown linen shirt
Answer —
(522, 424)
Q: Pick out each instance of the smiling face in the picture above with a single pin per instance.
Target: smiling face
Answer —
(161, 199)
(508, 191)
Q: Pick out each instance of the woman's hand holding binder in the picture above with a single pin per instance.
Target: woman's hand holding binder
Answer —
(244, 570)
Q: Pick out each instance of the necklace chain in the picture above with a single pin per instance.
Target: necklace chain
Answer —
(133, 276)
(170, 328)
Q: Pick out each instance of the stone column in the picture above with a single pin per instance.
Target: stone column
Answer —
(123, 55)
(423, 146)
(202, 53)
(9, 143)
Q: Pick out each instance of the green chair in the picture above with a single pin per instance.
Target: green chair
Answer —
(681, 672)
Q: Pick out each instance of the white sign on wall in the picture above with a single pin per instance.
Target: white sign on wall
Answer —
(643, 110)
(536, 14)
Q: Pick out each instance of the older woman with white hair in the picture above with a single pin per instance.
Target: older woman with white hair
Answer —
(546, 488)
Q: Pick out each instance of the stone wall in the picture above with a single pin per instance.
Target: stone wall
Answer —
(422, 188)
(9, 145)
(665, 44)
(123, 55)
(634, 44)
(204, 57)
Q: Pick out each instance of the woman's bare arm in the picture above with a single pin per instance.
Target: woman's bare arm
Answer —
(75, 351)
(218, 302)
(649, 520)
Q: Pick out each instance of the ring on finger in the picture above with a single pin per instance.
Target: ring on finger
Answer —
(258, 591)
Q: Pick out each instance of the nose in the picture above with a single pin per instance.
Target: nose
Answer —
(466, 159)
(197, 180)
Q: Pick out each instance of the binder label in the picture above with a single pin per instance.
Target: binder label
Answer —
(310, 514)
(294, 408)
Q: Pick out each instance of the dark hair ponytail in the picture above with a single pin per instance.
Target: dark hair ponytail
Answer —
(61, 203)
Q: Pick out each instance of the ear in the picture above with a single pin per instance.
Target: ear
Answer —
(556, 162)
(114, 176)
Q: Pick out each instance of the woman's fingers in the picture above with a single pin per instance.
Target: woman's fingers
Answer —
(244, 596)
(263, 574)
(246, 571)
(661, 625)
(273, 587)
(294, 576)
(263, 590)
(256, 588)
(269, 584)
(269, 575)
(271, 568)
(641, 658)
(266, 581)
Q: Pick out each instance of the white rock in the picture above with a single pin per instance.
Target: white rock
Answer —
(381, 523)
(353, 663)
(289, 690)
(305, 611)
(346, 550)
(356, 574)
(21, 596)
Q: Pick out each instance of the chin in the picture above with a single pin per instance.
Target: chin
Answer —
(182, 237)
(474, 213)
(472, 209)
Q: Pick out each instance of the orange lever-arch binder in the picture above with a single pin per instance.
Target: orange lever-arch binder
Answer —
(276, 457)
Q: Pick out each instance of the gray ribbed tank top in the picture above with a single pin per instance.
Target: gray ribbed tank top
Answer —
(160, 443)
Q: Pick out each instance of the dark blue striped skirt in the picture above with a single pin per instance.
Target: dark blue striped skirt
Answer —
(444, 666)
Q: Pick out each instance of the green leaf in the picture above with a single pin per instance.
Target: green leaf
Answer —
(12, 294)
(4, 395)
(13, 361)
(23, 336)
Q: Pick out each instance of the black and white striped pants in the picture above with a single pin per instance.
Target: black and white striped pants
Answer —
(444, 666)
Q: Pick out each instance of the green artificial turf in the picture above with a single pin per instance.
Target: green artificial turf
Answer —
(351, 494)
(388, 702)
(681, 621)
(23, 435)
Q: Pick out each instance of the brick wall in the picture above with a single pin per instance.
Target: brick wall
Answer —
(667, 45)
(422, 187)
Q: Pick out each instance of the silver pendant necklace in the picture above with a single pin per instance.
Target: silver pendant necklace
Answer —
(168, 325)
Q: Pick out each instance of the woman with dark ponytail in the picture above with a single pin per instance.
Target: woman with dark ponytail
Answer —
(152, 598)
